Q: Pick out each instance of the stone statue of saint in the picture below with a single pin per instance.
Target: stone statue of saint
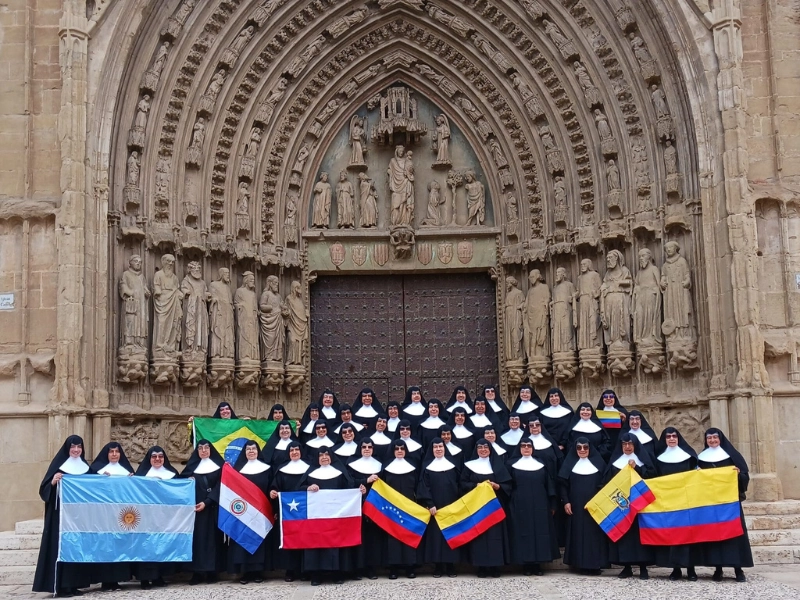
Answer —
(195, 327)
(515, 304)
(670, 159)
(290, 222)
(401, 186)
(244, 37)
(345, 205)
(588, 322)
(132, 179)
(659, 101)
(322, 203)
(499, 158)
(215, 85)
(273, 327)
(615, 300)
(537, 312)
(368, 197)
(561, 310)
(243, 200)
(221, 316)
(442, 140)
(167, 309)
(161, 59)
(246, 318)
(476, 200)
(603, 128)
(433, 217)
(612, 175)
(358, 139)
(676, 281)
(141, 112)
(647, 301)
(135, 295)
(296, 326)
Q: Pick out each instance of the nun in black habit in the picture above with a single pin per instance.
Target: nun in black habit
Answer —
(482, 417)
(319, 441)
(490, 435)
(367, 409)
(432, 421)
(156, 465)
(63, 579)
(548, 452)
(414, 406)
(638, 426)
(346, 418)
(224, 411)
(329, 407)
(586, 424)
(400, 473)
(462, 433)
(489, 551)
(393, 411)
(496, 405)
(250, 567)
(347, 446)
(288, 478)
(675, 455)
(364, 470)
(719, 453)
(276, 450)
(208, 549)
(530, 510)
(610, 402)
(310, 417)
(381, 438)
(580, 478)
(111, 461)
(454, 453)
(414, 450)
(514, 431)
(556, 416)
(527, 402)
(629, 550)
(278, 413)
(460, 399)
(438, 487)
(336, 562)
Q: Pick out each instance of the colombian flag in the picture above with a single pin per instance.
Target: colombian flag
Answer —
(469, 516)
(610, 419)
(395, 514)
(617, 504)
(691, 507)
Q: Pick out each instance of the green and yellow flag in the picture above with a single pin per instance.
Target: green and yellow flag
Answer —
(221, 432)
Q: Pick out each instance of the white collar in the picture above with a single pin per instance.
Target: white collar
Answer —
(414, 409)
(463, 405)
(392, 423)
(554, 412)
(586, 426)
(74, 466)
(512, 436)
(674, 455)
(495, 406)
(366, 412)
(411, 445)
(439, 465)
(318, 442)
(527, 463)
(309, 428)
(380, 438)
(400, 466)
(282, 443)
(254, 467)
(481, 466)
(326, 472)
(624, 458)
(712, 455)
(160, 473)
(480, 420)
(584, 467)
(432, 423)
(498, 448)
(526, 406)
(347, 449)
(540, 442)
(643, 437)
(461, 432)
(453, 448)
(614, 408)
(329, 412)
(295, 467)
(366, 466)
(114, 469)
(357, 426)
(205, 466)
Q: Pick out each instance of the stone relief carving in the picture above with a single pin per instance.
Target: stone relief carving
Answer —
(358, 142)
(167, 316)
(194, 154)
(476, 200)
(647, 65)
(476, 117)
(663, 116)
(176, 22)
(247, 332)
(222, 339)
(497, 57)
(401, 187)
(152, 76)
(441, 142)
(673, 181)
(555, 159)
(135, 295)
(512, 215)
(678, 327)
(564, 44)
(615, 313)
(398, 115)
(342, 24)
(324, 116)
(247, 168)
(534, 9)
(299, 63)
(243, 208)
(415, 4)
(368, 202)
(345, 203)
(267, 107)
(297, 336)
(459, 26)
(614, 201)
(560, 210)
(562, 309)
(290, 222)
(272, 316)
(445, 84)
(208, 101)
(262, 14)
(608, 144)
(433, 216)
(590, 91)
(231, 54)
(194, 346)
(136, 135)
(322, 203)
(132, 195)
(132, 177)
(537, 327)
(647, 314)
(588, 325)
(514, 331)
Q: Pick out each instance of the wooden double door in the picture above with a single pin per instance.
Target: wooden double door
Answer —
(391, 332)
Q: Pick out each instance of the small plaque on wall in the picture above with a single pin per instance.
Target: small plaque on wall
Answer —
(7, 301)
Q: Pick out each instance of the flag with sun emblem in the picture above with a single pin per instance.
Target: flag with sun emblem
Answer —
(125, 519)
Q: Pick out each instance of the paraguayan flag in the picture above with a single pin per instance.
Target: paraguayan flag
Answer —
(125, 519)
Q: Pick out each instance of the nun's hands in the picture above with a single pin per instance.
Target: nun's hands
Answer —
(432, 510)
(273, 494)
(568, 508)
(191, 419)
(495, 486)
(736, 469)
(623, 416)
(199, 506)
(632, 463)
(107, 474)
(130, 474)
(372, 478)
(362, 489)
(313, 487)
(56, 478)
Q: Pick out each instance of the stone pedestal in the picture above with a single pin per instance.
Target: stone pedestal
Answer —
(220, 372)
(538, 369)
(247, 373)
(620, 359)
(565, 365)
(651, 357)
(271, 375)
(295, 377)
(591, 361)
(515, 372)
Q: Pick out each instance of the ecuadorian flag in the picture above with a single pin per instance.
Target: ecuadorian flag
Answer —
(395, 514)
(691, 507)
(469, 516)
(617, 504)
(610, 419)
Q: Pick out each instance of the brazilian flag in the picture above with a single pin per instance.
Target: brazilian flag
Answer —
(228, 436)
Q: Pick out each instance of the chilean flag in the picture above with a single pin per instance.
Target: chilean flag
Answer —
(323, 519)
(245, 514)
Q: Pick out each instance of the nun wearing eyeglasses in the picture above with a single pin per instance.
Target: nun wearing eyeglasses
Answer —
(429, 427)
(400, 473)
(580, 478)
(610, 402)
(364, 470)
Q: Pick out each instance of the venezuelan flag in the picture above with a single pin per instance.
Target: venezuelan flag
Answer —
(617, 504)
(469, 516)
(610, 419)
(395, 514)
(691, 507)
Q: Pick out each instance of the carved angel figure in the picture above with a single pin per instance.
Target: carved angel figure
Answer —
(358, 140)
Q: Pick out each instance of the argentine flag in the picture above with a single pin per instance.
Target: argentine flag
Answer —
(125, 519)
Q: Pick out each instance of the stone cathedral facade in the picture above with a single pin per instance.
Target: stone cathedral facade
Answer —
(255, 200)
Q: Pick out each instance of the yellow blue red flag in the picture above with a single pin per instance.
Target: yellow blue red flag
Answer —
(617, 504)
(398, 516)
(469, 516)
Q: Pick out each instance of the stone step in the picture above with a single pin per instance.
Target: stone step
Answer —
(783, 507)
(772, 522)
(775, 537)
(18, 558)
(11, 541)
(34, 526)
(17, 575)
(776, 555)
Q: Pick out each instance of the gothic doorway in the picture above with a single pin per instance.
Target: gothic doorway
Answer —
(435, 331)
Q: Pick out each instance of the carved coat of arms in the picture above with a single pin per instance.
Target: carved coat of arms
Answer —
(424, 253)
(337, 253)
(380, 254)
(465, 252)
(445, 252)
(359, 254)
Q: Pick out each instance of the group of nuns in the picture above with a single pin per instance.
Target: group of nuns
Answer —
(545, 461)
